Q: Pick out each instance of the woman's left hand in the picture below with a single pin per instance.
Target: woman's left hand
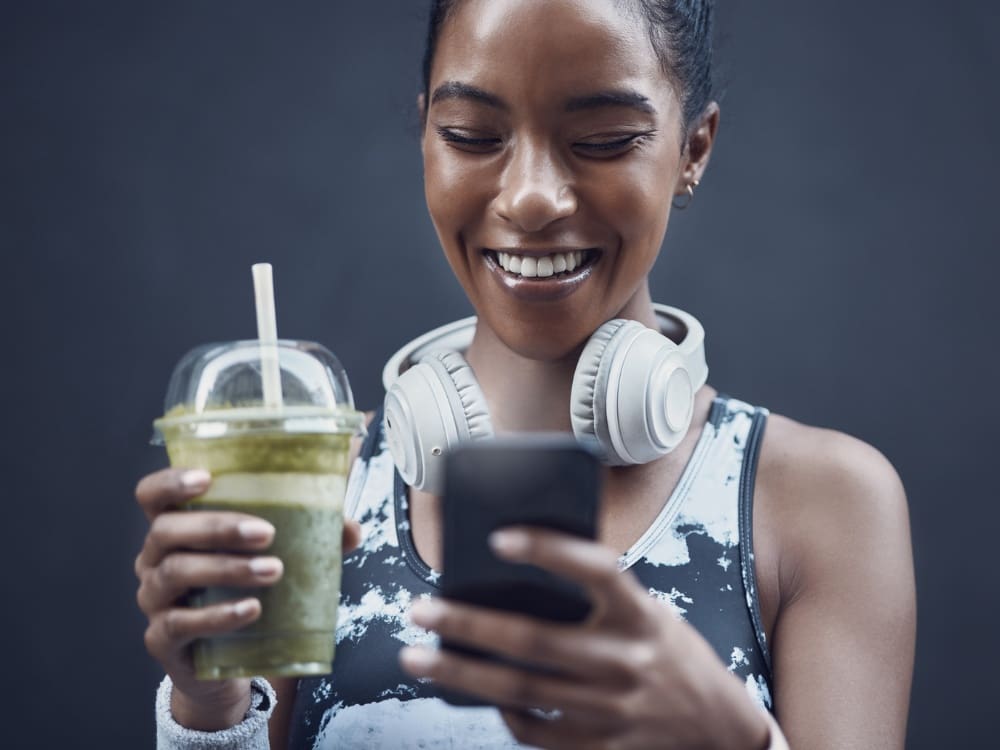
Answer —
(632, 675)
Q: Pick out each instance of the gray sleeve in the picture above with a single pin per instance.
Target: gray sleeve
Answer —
(249, 734)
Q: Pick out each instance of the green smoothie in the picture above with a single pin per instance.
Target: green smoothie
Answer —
(296, 481)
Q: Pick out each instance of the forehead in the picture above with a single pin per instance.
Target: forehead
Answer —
(548, 47)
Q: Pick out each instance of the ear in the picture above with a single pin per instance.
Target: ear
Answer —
(422, 109)
(698, 148)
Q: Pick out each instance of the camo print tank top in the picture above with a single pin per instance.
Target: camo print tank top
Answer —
(696, 557)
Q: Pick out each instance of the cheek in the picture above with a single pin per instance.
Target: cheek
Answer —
(636, 200)
(454, 193)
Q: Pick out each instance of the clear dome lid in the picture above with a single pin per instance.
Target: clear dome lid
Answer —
(217, 389)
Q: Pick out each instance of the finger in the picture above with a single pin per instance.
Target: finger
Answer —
(169, 488)
(180, 572)
(570, 649)
(503, 685)
(554, 733)
(614, 593)
(172, 630)
(203, 530)
(352, 535)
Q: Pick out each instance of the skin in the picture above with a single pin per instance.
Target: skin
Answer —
(831, 531)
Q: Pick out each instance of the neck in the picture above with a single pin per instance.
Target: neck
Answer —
(532, 395)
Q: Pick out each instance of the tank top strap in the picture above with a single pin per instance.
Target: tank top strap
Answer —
(697, 554)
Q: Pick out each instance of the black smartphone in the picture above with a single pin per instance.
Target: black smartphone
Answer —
(534, 479)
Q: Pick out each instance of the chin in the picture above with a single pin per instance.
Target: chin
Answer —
(544, 339)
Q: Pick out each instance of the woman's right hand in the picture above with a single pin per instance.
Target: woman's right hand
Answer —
(185, 551)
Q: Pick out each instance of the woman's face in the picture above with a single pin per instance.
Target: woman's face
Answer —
(552, 150)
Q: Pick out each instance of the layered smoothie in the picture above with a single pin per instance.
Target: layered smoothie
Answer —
(296, 481)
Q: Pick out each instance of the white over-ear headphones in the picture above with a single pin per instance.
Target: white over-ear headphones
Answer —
(633, 392)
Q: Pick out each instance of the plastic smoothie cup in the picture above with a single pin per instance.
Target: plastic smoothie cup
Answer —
(285, 461)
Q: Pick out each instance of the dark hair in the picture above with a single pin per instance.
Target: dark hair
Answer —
(681, 33)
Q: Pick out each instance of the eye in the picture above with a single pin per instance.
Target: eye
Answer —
(466, 140)
(605, 147)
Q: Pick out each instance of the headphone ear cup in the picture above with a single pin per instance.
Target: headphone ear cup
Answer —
(472, 415)
(634, 385)
(588, 414)
(432, 407)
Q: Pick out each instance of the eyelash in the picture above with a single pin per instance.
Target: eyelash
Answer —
(604, 147)
(636, 139)
(452, 136)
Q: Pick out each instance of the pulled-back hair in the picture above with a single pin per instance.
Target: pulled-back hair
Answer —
(681, 33)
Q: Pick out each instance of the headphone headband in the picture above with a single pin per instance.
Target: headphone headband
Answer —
(457, 336)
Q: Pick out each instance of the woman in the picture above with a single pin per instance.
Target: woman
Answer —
(556, 135)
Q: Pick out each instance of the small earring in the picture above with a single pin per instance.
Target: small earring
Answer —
(690, 196)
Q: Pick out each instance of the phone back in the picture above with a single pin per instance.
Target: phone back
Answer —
(535, 479)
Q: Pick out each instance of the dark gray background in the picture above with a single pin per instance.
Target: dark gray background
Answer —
(841, 253)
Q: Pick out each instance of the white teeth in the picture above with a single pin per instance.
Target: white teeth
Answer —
(530, 266)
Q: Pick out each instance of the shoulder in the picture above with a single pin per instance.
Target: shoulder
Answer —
(827, 501)
(797, 459)
(811, 471)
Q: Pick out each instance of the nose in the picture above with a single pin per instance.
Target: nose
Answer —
(535, 190)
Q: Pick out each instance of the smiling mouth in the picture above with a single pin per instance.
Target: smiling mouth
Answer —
(552, 265)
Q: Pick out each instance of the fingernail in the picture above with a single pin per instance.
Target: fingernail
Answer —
(255, 530)
(265, 567)
(244, 608)
(195, 480)
(418, 661)
(426, 612)
(509, 542)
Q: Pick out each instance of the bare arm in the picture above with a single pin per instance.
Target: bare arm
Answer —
(843, 638)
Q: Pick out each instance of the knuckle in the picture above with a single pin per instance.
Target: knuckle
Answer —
(455, 621)
(527, 640)
(642, 657)
(170, 570)
(220, 529)
(521, 690)
(157, 528)
(172, 625)
(149, 640)
(636, 662)
(141, 491)
(620, 708)
(143, 594)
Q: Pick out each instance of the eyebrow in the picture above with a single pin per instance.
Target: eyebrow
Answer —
(597, 100)
(611, 98)
(458, 90)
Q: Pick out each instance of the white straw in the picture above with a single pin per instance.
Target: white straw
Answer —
(267, 333)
